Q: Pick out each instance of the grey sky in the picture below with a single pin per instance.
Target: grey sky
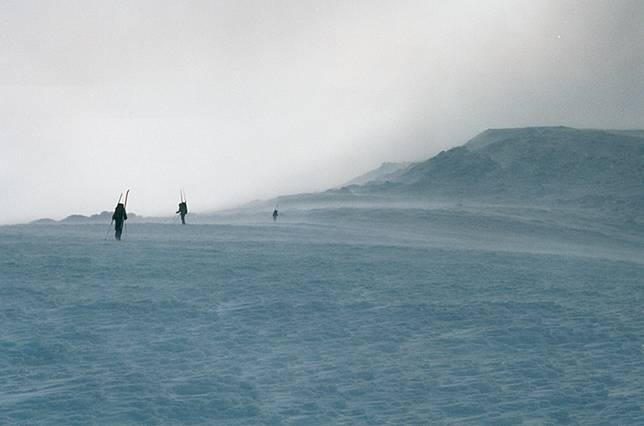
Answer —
(235, 100)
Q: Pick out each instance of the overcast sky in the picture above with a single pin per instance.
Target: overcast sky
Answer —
(237, 100)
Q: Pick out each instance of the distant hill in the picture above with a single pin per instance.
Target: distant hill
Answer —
(538, 166)
(43, 221)
(550, 164)
(103, 217)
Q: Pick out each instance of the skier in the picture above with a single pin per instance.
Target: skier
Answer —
(275, 214)
(119, 217)
(183, 210)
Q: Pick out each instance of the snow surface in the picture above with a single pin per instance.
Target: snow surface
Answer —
(340, 317)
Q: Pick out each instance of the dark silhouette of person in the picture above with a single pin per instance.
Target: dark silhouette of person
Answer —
(275, 215)
(119, 217)
(183, 210)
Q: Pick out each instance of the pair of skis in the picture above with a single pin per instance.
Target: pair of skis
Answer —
(182, 195)
(121, 197)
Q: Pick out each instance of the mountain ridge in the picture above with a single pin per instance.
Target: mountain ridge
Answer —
(563, 166)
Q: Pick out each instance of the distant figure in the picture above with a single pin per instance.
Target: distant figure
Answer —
(183, 211)
(275, 215)
(119, 217)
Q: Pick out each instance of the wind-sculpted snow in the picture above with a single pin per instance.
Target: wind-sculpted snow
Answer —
(319, 322)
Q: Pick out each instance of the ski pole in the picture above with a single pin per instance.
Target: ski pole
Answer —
(108, 229)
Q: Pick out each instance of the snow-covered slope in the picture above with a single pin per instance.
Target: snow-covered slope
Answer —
(541, 165)
(535, 166)
(386, 171)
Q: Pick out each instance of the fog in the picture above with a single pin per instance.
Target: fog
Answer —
(237, 100)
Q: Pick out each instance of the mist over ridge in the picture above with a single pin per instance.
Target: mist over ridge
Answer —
(538, 166)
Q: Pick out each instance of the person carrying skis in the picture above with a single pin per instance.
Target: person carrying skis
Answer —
(119, 217)
(183, 210)
(275, 215)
